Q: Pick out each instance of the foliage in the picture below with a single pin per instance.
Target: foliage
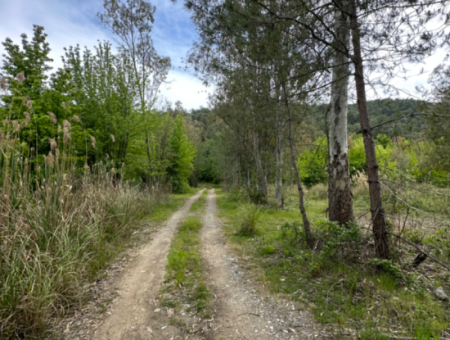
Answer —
(181, 156)
(249, 216)
(344, 296)
(313, 162)
(293, 232)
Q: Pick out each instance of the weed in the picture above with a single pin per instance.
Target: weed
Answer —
(249, 216)
(332, 280)
(293, 231)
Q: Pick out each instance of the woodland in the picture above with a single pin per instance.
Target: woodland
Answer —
(333, 180)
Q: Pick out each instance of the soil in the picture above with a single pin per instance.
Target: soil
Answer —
(131, 315)
(242, 308)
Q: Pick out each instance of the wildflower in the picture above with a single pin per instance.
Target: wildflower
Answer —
(113, 138)
(57, 153)
(20, 77)
(86, 167)
(93, 141)
(113, 171)
(53, 144)
(29, 104)
(15, 125)
(52, 117)
(5, 121)
(3, 84)
(76, 118)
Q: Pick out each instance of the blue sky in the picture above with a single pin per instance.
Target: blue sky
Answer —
(71, 22)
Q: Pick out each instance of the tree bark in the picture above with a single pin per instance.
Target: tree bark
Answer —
(279, 171)
(259, 169)
(376, 206)
(301, 193)
(339, 194)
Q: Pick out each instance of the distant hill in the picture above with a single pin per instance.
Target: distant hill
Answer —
(380, 111)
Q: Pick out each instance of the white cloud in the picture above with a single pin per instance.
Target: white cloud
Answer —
(185, 88)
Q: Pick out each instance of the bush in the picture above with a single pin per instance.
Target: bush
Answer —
(346, 240)
(293, 232)
(255, 196)
(249, 216)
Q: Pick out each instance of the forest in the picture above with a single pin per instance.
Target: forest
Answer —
(332, 184)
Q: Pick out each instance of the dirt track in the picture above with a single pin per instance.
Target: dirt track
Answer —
(132, 314)
(241, 309)
(241, 312)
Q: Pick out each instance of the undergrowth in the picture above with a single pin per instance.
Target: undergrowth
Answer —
(350, 294)
(60, 223)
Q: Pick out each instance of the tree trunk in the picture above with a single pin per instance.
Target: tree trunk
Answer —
(248, 174)
(234, 174)
(301, 193)
(259, 169)
(279, 171)
(376, 206)
(339, 194)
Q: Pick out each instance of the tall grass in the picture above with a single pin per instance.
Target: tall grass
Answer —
(58, 227)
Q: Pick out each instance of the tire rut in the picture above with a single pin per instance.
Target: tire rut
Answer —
(133, 315)
(241, 312)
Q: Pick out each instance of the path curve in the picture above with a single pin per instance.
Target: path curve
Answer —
(242, 313)
(132, 314)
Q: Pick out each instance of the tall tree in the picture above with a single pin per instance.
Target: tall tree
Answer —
(340, 205)
(132, 23)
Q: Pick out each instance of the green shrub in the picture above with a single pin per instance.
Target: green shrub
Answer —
(249, 217)
(293, 232)
(346, 240)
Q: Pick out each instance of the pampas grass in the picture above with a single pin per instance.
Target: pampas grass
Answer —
(57, 229)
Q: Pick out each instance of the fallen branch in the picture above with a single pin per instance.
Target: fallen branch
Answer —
(413, 245)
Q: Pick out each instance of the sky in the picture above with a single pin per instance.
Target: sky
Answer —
(72, 22)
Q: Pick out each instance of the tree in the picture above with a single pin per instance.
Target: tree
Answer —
(340, 205)
(132, 23)
(181, 157)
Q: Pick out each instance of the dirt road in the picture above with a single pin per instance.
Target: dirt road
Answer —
(241, 312)
(131, 315)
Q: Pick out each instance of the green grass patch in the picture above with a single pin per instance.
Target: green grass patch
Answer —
(341, 294)
(166, 208)
(199, 206)
(184, 284)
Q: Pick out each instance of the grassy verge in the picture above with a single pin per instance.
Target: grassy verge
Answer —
(53, 251)
(162, 211)
(185, 291)
(345, 294)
